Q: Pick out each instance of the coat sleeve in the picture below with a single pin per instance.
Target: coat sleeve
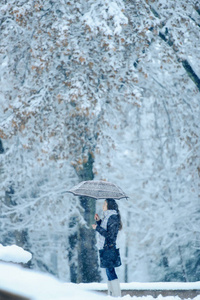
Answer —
(112, 228)
(98, 222)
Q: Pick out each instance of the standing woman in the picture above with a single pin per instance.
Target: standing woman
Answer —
(108, 229)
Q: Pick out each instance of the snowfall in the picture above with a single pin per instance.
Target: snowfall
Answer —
(41, 286)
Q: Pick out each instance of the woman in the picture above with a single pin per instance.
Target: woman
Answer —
(108, 229)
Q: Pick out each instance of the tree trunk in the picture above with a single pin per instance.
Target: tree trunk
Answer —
(127, 247)
(1, 147)
(87, 262)
(88, 270)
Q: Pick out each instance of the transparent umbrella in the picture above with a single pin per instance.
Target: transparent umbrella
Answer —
(98, 190)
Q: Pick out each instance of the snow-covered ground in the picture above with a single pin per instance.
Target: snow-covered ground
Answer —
(42, 286)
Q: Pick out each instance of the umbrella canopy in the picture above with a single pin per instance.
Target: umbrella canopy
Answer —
(98, 190)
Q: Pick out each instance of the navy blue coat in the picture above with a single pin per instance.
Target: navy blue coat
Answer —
(109, 256)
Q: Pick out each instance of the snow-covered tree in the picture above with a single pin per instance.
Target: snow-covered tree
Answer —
(105, 90)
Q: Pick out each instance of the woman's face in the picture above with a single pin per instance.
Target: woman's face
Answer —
(105, 206)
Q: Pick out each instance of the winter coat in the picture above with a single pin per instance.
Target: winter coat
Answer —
(109, 256)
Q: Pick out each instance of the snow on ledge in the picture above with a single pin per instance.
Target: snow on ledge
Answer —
(40, 286)
(162, 285)
(146, 286)
(14, 254)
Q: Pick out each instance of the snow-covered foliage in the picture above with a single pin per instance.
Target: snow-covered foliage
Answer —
(117, 80)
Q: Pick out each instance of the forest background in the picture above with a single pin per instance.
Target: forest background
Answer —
(110, 90)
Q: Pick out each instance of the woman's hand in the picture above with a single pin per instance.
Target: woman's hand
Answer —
(96, 217)
(94, 226)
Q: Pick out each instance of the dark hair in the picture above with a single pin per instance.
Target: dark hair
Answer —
(111, 204)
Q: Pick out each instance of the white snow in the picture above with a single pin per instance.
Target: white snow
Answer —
(99, 14)
(14, 254)
(35, 285)
(40, 286)
(147, 286)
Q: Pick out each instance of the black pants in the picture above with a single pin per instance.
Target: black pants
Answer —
(111, 274)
